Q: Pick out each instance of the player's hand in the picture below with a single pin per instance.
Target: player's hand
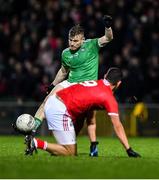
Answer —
(94, 149)
(107, 21)
(49, 88)
(132, 153)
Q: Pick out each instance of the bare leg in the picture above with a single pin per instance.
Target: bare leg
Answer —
(91, 125)
(79, 123)
(60, 149)
(63, 150)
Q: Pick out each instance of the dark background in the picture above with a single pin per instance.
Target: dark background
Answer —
(34, 33)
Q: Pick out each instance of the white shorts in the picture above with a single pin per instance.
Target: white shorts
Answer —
(66, 84)
(59, 121)
(65, 137)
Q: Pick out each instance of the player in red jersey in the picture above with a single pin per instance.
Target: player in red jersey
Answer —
(67, 105)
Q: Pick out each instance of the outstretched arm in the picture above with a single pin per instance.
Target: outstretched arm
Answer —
(60, 76)
(106, 38)
(120, 132)
(39, 115)
(107, 21)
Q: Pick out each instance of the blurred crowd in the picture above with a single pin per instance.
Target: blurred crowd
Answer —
(33, 34)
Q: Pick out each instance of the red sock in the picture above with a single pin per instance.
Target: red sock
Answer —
(40, 144)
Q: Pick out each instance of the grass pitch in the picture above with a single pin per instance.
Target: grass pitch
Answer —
(111, 163)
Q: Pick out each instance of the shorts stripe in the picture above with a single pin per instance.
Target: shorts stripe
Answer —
(65, 123)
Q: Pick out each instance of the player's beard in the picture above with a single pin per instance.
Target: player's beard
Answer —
(75, 50)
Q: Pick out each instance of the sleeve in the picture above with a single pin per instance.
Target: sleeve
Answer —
(95, 44)
(111, 106)
(64, 60)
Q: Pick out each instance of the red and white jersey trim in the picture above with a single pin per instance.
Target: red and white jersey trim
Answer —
(113, 114)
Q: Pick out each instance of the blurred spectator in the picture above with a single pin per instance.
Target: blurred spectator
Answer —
(33, 34)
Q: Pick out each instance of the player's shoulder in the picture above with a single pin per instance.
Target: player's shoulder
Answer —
(87, 40)
(106, 86)
(65, 50)
(91, 41)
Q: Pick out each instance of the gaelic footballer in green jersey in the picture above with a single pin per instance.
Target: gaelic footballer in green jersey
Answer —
(83, 64)
(80, 59)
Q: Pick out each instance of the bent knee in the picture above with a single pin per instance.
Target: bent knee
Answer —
(71, 150)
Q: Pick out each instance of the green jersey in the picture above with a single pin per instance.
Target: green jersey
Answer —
(83, 64)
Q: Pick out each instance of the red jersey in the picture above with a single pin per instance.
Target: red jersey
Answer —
(89, 95)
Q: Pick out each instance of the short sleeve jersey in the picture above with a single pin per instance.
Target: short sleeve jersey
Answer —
(89, 95)
(83, 64)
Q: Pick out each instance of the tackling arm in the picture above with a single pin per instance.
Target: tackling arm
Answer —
(61, 75)
(39, 115)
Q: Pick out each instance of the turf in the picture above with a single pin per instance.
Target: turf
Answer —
(111, 163)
